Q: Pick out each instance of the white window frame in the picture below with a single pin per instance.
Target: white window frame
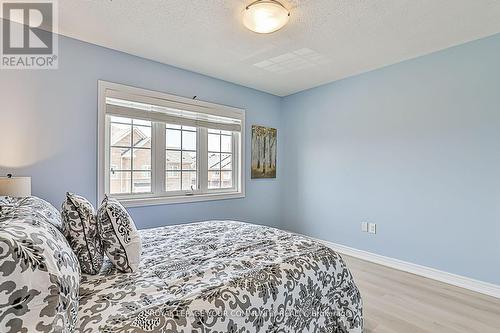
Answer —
(159, 195)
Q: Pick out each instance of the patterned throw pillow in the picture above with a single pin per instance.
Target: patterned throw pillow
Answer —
(81, 231)
(40, 277)
(8, 205)
(32, 206)
(120, 239)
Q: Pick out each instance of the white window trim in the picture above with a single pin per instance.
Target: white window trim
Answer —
(139, 200)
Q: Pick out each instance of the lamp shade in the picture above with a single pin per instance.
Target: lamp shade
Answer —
(15, 186)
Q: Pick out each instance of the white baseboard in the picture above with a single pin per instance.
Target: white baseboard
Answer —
(431, 273)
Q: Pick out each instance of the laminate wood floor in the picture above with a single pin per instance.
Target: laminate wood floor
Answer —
(400, 302)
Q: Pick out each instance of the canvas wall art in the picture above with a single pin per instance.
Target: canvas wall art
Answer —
(264, 147)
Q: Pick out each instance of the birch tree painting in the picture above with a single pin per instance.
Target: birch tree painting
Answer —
(263, 152)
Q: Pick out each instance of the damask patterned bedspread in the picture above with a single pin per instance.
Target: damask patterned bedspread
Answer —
(221, 276)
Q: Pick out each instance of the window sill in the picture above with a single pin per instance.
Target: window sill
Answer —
(154, 201)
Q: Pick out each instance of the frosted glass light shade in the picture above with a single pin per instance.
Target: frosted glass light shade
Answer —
(265, 16)
(15, 186)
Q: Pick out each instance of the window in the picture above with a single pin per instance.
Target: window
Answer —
(130, 156)
(181, 152)
(156, 148)
(220, 157)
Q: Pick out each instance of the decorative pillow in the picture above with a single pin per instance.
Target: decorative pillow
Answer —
(31, 206)
(120, 239)
(8, 201)
(81, 231)
(8, 205)
(39, 277)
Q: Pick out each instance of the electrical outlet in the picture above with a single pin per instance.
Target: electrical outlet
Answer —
(372, 228)
(364, 226)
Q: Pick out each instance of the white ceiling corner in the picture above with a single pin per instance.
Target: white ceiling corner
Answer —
(325, 40)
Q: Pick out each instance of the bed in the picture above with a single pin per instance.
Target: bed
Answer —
(214, 276)
(224, 276)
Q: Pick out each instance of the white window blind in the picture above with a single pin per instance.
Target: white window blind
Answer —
(171, 112)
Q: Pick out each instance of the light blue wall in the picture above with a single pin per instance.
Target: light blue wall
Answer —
(415, 148)
(48, 128)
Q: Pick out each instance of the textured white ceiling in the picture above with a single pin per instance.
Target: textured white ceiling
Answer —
(325, 40)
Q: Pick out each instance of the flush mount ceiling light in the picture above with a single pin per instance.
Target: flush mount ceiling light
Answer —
(265, 16)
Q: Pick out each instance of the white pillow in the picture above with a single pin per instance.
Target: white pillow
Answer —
(120, 239)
